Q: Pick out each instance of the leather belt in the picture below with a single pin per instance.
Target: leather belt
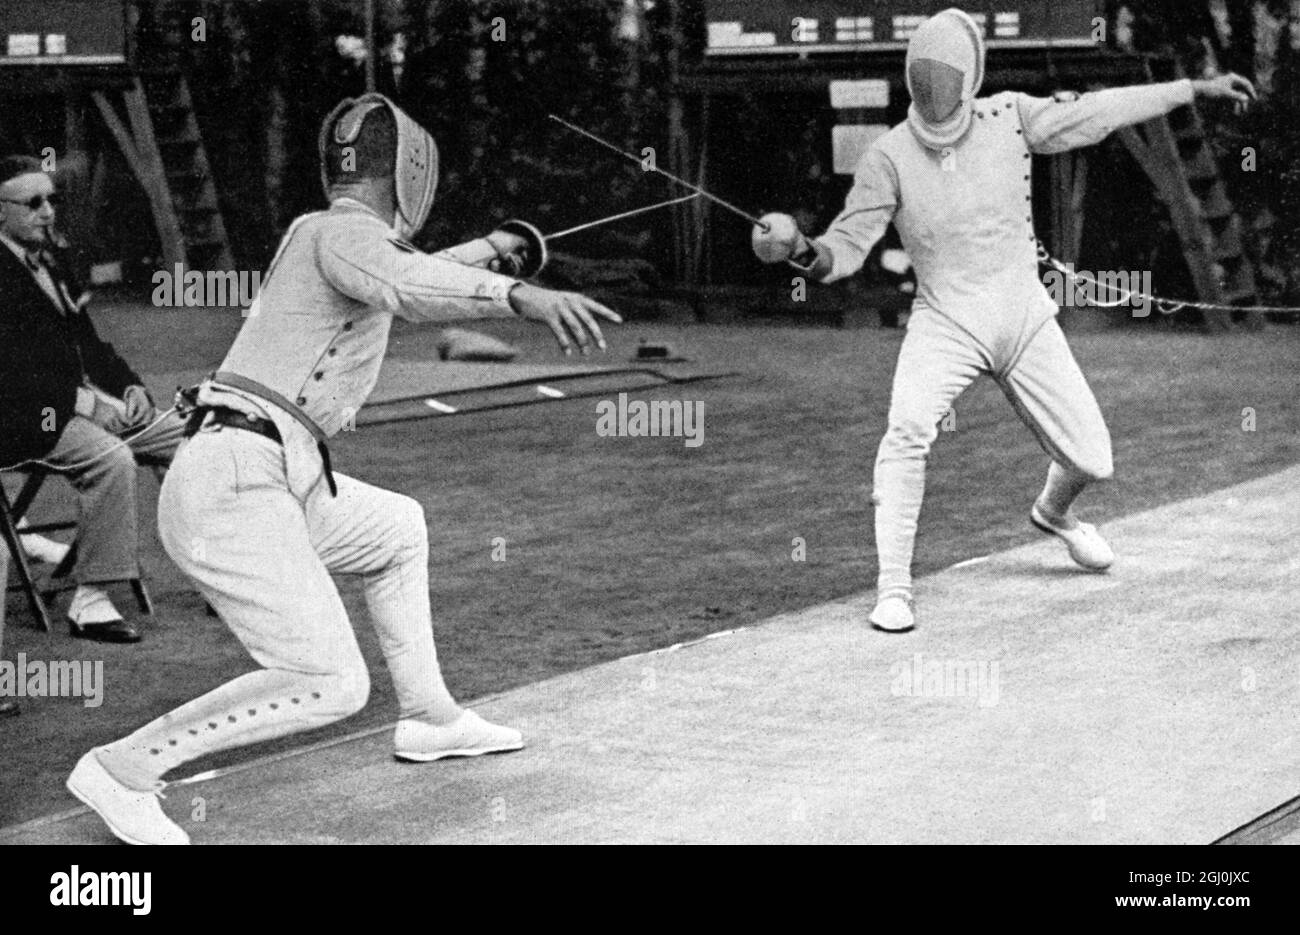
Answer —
(244, 384)
(233, 418)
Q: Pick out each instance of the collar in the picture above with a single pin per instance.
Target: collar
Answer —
(18, 249)
(939, 137)
(352, 204)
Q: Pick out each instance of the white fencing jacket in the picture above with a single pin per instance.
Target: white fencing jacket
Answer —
(318, 330)
(964, 213)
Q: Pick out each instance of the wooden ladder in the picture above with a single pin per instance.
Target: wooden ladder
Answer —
(1175, 154)
(161, 143)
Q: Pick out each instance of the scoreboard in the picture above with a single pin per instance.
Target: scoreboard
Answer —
(62, 32)
(757, 27)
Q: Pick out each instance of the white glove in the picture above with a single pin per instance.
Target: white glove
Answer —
(521, 250)
(781, 241)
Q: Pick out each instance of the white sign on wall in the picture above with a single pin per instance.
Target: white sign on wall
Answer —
(21, 43)
(869, 93)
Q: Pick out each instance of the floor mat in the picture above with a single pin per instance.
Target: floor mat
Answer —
(1035, 703)
(411, 389)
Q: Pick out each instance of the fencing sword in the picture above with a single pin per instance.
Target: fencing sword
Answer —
(617, 217)
(668, 175)
(534, 255)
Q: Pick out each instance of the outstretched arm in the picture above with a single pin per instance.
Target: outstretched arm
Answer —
(373, 267)
(1053, 126)
(368, 263)
(841, 251)
(516, 248)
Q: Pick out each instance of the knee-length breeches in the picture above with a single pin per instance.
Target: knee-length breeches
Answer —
(263, 559)
(936, 363)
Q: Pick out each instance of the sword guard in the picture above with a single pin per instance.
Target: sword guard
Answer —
(524, 262)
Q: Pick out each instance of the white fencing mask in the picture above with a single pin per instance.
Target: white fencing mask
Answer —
(945, 68)
(414, 164)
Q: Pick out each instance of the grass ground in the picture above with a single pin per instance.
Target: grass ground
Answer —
(619, 545)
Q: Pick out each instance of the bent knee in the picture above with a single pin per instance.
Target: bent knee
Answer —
(1100, 471)
(1095, 467)
(341, 694)
(354, 691)
(410, 529)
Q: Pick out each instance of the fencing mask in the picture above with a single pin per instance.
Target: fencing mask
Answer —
(945, 68)
(370, 136)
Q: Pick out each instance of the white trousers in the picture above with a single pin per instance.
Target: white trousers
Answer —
(937, 361)
(263, 559)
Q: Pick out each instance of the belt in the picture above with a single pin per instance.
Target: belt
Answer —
(244, 384)
(234, 419)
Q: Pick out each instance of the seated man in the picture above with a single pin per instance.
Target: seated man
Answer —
(67, 400)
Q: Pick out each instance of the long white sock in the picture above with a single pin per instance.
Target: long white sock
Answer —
(898, 490)
(261, 705)
(1059, 493)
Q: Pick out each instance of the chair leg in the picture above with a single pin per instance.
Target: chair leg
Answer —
(10, 534)
(31, 487)
(142, 596)
(64, 568)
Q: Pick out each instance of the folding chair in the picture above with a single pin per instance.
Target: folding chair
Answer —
(11, 514)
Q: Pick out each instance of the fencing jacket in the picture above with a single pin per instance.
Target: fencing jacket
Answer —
(309, 353)
(964, 213)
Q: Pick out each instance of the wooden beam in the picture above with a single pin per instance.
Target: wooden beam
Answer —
(1159, 159)
(164, 211)
(150, 174)
(1065, 206)
(123, 139)
(75, 164)
(1079, 191)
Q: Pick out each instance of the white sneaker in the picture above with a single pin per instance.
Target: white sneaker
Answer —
(135, 817)
(1088, 549)
(893, 615)
(38, 548)
(468, 735)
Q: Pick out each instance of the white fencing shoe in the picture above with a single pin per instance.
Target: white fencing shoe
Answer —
(893, 615)
(1088, 549)
(135, 817)
(468, 735)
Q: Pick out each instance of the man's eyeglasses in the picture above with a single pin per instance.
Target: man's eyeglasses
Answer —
(34, 203)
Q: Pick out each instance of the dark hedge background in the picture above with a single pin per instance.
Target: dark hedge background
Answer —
(268, 71)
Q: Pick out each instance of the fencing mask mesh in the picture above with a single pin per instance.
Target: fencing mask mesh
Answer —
(945, 68)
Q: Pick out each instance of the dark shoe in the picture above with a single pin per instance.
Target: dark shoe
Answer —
(116, 631)
(10, 709)
(92, 616)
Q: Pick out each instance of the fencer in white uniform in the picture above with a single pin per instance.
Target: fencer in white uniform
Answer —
(251, 510)
(955, 178)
